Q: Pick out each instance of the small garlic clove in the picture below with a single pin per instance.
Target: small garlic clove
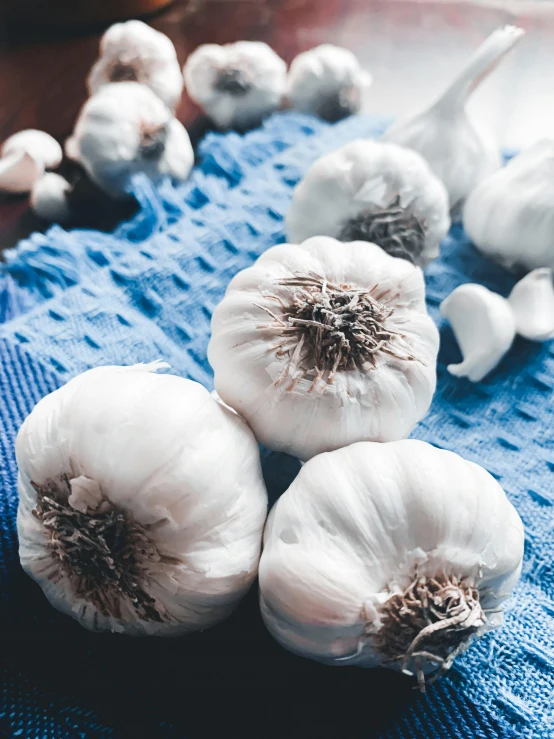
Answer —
(484, 327)
(42, 147)
(18, 172)
(49, 198)
(532, 304)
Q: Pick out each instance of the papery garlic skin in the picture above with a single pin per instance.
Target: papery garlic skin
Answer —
(124, 129)
(182, 474)
(484, 326)
(292, 399)
(373, 191)
(135, 52)
(327, 81)
(24, 157)
(361, 524)
(459, 152)
(510, 216)
(237, 85)
(49, 198)
(532, 304)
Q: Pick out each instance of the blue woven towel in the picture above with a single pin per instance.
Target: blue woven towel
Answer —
(69, 301)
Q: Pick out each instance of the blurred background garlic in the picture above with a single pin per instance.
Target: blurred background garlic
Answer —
(395, 555)
(457, 150)
(532, 304)
(135, 52)
(49, 198)
(327, 81)
(124, 129)
(237, 85)
(510, 215)
(322, 344)
(376, 192)
(24, 157)
(142, 502)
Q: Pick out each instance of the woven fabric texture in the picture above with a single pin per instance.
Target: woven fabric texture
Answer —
(73, 300)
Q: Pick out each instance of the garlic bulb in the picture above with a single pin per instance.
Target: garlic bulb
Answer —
(510, 216)
(323, 344)
(327, 81)
(142, 502)
(532, 304)
(135, 52)
(459, 153)
(396, 555)
(371, 191)
(125, 129)
(24, 157)
(238, 84)
(49, 198)
(484, 327)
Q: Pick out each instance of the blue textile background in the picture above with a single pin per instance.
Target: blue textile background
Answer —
(73, 300)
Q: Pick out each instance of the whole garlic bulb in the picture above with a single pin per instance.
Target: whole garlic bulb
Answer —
(510, 215)
(142, 502)
(394, 554)
(372, 191)
(135, 52)
(458, 151)
(24, 157)
(124, 129)
(327, 81)
(322, 344)
(237, 85)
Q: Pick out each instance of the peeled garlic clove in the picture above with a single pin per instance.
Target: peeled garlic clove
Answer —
(510, 215)
(532, 304)
(141, 502)
(457, 151)
(396, 555)
(125, 129)
(42, 147)
(376, 192)
(327, 81)
(49, 198)
(18, 172)
(135, 52)
(484, 327)
(237, 85)
(322, 344)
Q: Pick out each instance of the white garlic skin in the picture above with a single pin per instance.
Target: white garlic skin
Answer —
(510, 216)
(49, 198)
(532, 304)
(109, 134)
(260, 68)
(380, 404)
(327, 81)
(368, 176)
(484, 326)
(171, 458)
(24, 157)
(458, 151)
(358, 523)
(18, 172)
(133, 51)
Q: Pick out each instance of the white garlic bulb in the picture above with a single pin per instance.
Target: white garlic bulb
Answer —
(49, 198)
(24, 157)
(135, 52)
(532, 305)
(484, 327)
(458, 151)
(124, 129)
(327, 81)
(322, 344)
(372, 191)
(510, 216)
(237, 85)
(393, 555)
(142, 502)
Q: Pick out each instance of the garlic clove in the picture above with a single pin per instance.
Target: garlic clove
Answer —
(18, 172)
(459, 153)
(42, 147)
(484, 327)
(49, 198)
(532, 304)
